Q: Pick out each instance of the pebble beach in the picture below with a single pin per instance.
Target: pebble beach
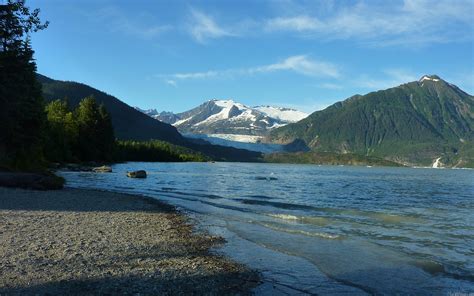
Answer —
(75, 241)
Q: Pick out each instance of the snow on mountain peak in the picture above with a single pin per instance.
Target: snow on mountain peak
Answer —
(431, 78)
(283, 114)
(228, 104)
(287, 115)
(229, 117)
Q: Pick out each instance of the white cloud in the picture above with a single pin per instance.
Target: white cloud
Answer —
(203, 27)
(390, 78)
(117, 21)
(331, 86)
(171, 82)
(149, 32)
(297, 23)
(195, 75)
(395, 77)
(376, 23)
(412, 22)
(300, 64)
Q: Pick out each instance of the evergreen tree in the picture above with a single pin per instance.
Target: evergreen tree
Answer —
(21, 105)
(88, 117)
(106, 134)
(95, 132)
(61, 139)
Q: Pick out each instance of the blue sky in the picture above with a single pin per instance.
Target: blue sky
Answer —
(174, 55)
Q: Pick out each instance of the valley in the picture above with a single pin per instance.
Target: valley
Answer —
(415, 124)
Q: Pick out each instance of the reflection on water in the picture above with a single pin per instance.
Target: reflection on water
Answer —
(365, 230)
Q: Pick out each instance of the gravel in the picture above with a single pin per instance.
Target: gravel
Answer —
(85, 242)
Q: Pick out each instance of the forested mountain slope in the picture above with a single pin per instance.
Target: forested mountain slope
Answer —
(414, 123)
(131, 124)
(128, 122)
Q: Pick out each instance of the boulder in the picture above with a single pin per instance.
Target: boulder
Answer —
(39, 181)
(102, 169)
(137, 174)
(266, 178)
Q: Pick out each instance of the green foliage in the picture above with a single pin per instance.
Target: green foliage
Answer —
(29, 130)
(414, 123)
(95, 132)
(21, 105)
(129, 124)
(105, 133)
(155, 151)
(61, 132)
(224, 153)
(85, 134)
(328, 158)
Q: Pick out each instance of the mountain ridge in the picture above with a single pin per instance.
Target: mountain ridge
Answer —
(131, 124)
(424, 122)
(413, 123)
(128, 123)
(228, 117)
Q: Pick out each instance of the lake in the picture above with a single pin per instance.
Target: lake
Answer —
(323, 229)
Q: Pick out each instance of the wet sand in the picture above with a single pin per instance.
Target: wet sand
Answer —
(92, 242)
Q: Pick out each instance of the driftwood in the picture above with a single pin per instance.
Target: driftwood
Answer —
(102, 169)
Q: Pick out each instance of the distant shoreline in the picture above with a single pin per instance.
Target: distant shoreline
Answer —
(98, 242)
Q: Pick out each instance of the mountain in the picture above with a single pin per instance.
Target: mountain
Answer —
(129, 124)
(149, 112)
(226, 117)
(415, 123)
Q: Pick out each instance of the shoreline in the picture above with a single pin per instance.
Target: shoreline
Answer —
(77, 241)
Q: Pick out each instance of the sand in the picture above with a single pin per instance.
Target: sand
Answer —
(74, 241)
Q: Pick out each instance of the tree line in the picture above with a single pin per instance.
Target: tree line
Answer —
(86, 134)
(155, 150)
(33, 133)
(21, 105)
(82, 134)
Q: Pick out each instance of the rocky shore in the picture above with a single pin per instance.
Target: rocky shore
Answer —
(91, 242)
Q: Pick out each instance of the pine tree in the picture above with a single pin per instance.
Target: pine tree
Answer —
(106, 134)
(21, 105)
(96, 138)
(88, 118)
(61, 132)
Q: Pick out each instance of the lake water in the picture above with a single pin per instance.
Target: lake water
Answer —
(323, 229)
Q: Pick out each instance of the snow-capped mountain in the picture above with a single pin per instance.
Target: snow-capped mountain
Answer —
(149, 112)
(226, 117)
(162, 116)
(283, 114)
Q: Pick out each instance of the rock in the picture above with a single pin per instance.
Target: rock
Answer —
(266, 178)
(39, 181)
(102, 169)
(137, 174)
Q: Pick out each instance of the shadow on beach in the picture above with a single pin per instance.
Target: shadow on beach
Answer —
(75, 200)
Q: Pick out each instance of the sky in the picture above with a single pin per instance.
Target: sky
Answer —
(174, 55)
